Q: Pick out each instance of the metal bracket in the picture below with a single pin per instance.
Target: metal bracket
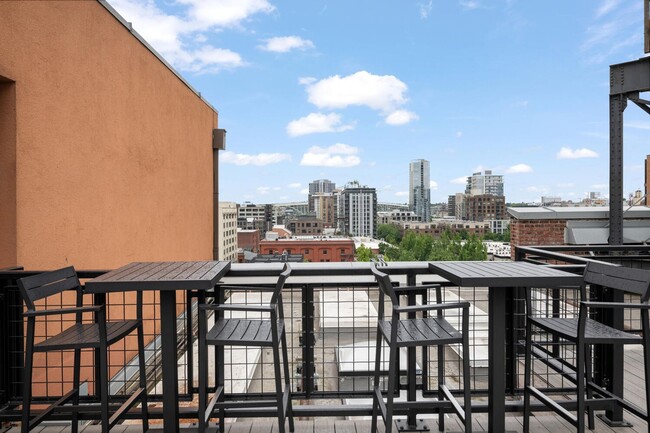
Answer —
(611, 423)
(420, 425)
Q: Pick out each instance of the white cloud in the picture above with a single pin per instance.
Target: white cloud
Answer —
(223, 13)
(229, 157)
(402, 193)
(383, 93)
(317, 122)
(433, 185)
(519, 168)
(337, 155)
(263, 190)
(638, 125)
(400, 117)
(537, 189)
(470, 4)
(425, 9)
(606, 6)
(294, 185)
(284, 44)
(181, 38)
(600, 186)
(566, 185)
(304, 191)
(568, 153)
(459, 180)
(459, 134)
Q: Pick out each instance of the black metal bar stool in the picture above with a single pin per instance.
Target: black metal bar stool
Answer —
(97, 336)
(584, 332)
(265, 332)
(419, 332)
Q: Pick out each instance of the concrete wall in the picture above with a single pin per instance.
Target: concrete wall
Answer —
(113, 152)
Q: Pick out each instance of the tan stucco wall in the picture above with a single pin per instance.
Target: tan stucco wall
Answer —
(113, 151)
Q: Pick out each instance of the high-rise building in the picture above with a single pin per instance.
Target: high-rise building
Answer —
(486, 183)
(319, 186)
(419, 189)
(357, 210)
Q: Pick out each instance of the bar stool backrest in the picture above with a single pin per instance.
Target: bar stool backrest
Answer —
(279, 285)
(46, 284)
(631, 280)
(385, 285)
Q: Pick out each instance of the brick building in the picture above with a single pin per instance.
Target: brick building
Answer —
(574, 226)
(248, 240)
(313, 249)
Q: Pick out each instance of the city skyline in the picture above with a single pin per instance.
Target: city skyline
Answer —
(519, 88)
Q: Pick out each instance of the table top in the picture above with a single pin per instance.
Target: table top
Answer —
(160, 276)
(504, 274)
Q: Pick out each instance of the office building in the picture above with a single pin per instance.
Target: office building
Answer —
(484, 183)
(319, 186)
(419, 189)
(357, 210)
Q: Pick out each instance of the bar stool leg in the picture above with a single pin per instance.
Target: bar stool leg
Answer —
(27, 378)
(203, 371)
(103, 385)
(287, 381)
(467, 383)
(278, 383)
(74, 428)
(392, 373)
(441, 381)
(589, 378)
(376, 392)
(527, 379)
(580, 375)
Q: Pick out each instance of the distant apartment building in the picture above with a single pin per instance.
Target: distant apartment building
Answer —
(357, 210)
(396, 217)
(419, 189)
(485, 207)
(389, 207)
(437, 227)
(319, 186)
(313, 250)
(305, 225)
(255, 217)
(248, 240)
(551, 200)
(325, 208)
(227, 231)
(284, 211)
(484, 183)
(498, 226)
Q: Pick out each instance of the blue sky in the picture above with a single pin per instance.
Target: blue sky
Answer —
(354, 90)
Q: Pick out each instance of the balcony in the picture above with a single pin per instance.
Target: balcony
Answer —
(331, 313)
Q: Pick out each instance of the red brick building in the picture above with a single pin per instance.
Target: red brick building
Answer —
(314, 250)
(248, 240)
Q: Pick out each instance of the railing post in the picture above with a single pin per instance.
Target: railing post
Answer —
(308, 339)
(411, 385)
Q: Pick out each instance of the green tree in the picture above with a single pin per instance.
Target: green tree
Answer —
(423, 247)
(364, 254)
(389, 233)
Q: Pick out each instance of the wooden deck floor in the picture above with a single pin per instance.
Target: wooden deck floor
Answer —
(541, 422)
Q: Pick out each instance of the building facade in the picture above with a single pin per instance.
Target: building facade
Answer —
(313, 250)
(484, 183)
(255, 217)
(485, 207)
(227, 231)
(319, 186)
(420, 189)
(120, 179)
(305, 225)
(357, 210)
(248, 240)
(325, 208)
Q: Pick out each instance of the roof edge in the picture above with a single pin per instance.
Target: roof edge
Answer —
(135, 34)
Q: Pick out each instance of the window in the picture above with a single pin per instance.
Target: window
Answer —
(306, 251)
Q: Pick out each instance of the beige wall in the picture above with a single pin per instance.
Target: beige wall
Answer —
(113, 152)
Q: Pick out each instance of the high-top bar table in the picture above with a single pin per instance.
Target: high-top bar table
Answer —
(501, 278)
(167, 278)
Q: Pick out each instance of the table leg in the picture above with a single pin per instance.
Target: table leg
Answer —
(496, 360)
(169, 360)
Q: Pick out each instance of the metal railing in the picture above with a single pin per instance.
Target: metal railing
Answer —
(331, 313)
